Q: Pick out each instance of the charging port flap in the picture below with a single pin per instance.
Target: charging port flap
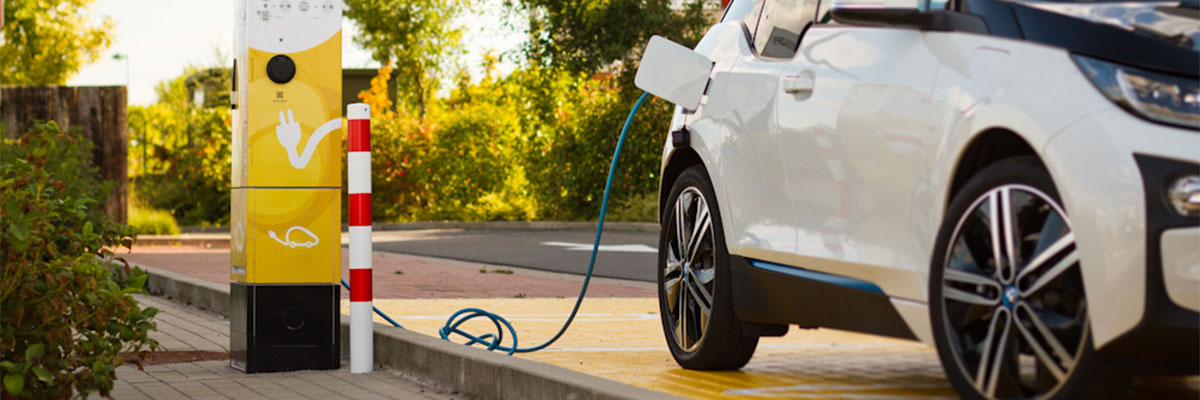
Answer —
(673, 72)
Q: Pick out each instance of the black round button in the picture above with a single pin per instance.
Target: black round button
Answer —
(281, 69)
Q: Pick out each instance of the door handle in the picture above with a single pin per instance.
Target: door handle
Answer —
(798, 83)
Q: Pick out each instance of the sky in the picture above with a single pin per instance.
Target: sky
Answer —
(162, 37)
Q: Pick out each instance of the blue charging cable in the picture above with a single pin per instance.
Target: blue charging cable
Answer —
(377, 311)
(492, 341)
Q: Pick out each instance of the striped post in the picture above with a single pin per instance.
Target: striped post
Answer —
(359, 181)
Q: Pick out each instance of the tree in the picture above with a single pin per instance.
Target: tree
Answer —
(415, 36)
(596, 35)
(47, 41)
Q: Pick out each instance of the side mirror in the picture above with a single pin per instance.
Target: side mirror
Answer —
(904, 14)
(673, 72)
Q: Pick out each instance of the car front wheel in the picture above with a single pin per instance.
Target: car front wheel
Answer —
(1009, 311)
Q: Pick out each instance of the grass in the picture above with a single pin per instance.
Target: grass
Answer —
(152, 222)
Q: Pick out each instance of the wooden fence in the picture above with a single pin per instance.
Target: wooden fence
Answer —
(99, 113)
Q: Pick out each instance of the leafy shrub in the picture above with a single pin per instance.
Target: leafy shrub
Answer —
(639, 208)
(461, 161)
(149, 221)
(181, 161)
(570, 157)
(534, 145)
(66, 322)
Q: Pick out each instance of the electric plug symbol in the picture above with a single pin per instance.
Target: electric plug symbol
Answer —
(288, 133)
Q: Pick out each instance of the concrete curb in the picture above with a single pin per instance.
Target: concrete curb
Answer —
(208, 240)
(197, 293)
(487, 374)
(450, 365)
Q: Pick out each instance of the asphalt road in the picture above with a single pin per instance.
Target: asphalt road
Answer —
(624, 254)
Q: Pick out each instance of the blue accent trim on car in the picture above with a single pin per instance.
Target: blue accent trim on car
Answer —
(817, 276)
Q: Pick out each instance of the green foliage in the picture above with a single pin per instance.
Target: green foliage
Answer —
(571, 155)
(637, 208)
(537, 143)
(181, 161)
(592, 35)
(417, 36)
(152, 222)
(47, 41)
(66, 322)
(534, 145)
(457, 163)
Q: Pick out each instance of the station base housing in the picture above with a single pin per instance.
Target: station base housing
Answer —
(282, 327)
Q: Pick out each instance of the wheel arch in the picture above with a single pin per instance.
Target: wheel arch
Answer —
(990, 146)
(679, 160)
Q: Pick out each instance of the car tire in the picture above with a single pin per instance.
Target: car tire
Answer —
(1005, 279)
(697, 341)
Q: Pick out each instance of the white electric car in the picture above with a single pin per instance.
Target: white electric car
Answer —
(1014, 182)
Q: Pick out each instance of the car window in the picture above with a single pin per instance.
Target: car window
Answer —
(745, 11)
(781, 25)
(738, 9)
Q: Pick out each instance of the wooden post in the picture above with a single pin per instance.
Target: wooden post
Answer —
(99, 113)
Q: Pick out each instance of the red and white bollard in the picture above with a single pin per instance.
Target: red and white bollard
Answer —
(358, 169)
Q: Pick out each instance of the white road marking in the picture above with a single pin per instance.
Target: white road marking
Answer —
(613, 248)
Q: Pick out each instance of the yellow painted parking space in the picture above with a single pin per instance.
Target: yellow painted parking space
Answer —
(622, 340)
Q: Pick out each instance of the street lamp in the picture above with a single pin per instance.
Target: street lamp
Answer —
(125, 57)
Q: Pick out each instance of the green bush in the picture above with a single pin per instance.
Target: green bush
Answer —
(181, 162)
(460, 162)
(66, 322)
(152, 222)
(534, 145)
(571, 158)
(641, 208)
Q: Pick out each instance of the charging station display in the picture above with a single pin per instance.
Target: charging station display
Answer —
(285, 211)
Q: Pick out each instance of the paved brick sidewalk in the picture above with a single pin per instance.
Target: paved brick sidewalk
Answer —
(398, 276)
(185, 329)
(182, 328)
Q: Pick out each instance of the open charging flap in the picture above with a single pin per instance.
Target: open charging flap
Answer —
(673, 72)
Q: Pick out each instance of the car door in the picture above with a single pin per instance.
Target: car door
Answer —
(853, 114)
(759, 209)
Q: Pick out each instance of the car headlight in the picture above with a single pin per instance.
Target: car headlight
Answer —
(1155, 96)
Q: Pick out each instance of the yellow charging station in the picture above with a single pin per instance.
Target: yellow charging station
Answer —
(285, 211)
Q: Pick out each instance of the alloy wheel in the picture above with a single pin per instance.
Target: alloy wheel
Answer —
(1012, 295)
(688, 278)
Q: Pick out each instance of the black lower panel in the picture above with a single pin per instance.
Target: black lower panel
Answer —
(1167, 339)
(766, 297)
(276, 328)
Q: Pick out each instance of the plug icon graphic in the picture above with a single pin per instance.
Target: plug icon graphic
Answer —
(288, 133)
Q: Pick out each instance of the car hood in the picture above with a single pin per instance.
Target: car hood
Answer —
(1172, 22)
